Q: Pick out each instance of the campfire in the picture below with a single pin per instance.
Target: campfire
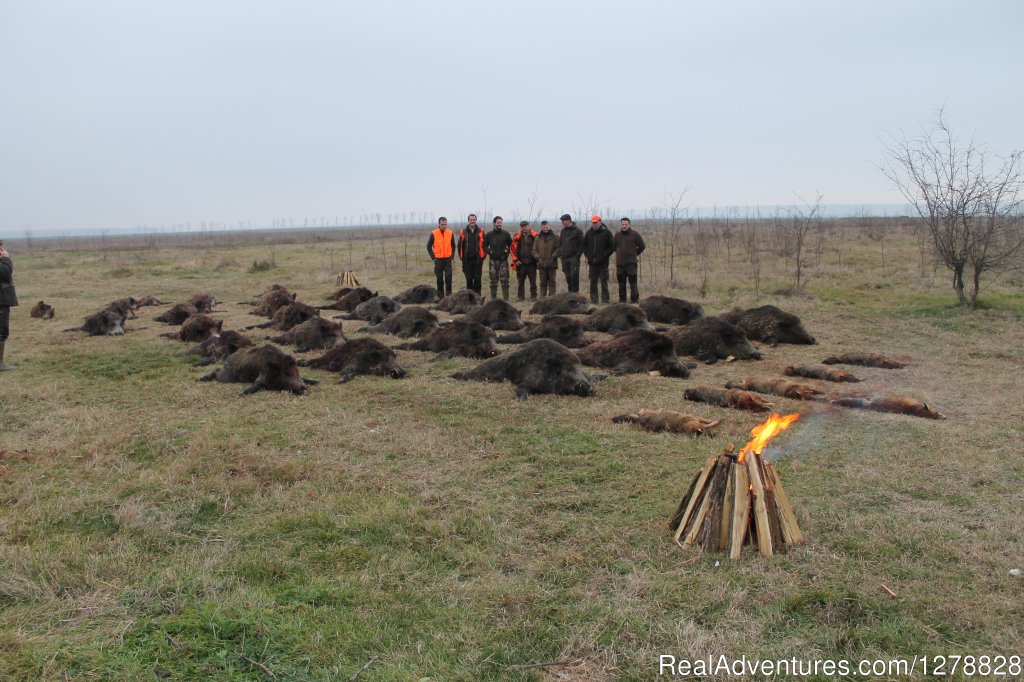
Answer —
(737, 499)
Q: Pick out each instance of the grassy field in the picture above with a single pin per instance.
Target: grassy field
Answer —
(153, 527)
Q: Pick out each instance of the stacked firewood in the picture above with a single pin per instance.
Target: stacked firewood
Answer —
(736, 500)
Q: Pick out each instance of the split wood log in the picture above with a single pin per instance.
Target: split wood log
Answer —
(726, 523)
(697, 490)
(740, 511)
(761, 522)
(791, 533)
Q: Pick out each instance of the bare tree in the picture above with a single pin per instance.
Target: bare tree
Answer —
(702, 243)
(969, 199)
(675, 219)
(534, 207)
(752, 246)
(804, 220)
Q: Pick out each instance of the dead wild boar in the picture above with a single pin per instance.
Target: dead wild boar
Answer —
(147, 301)
(864, 360)
(727, 397)
(668, 420)
(218, 347)
(710, 339)
(895, 404)
(565, 330)
(177, 313)
(373, 310)
(358, 356)
(204, 303)
(346, 302)
(338, 293)
(315, 332)
(461, 337)
(411, 321)
(822, 373)
(197, 328)
(770, 325)
(634, 351)
(668, 310)
(540, 366)
(265, 368)
(418, 295)
(289, 316)
(103, 323)
(42, 311)
(460, 302)
(270, 302)
(497, 314)
(563, 304)
(779, 387)
(125, 307)
(618, 317)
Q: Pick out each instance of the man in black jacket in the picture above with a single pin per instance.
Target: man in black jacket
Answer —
(8, 298)
(598, 246)
(570, 248)
(472, 254)
(628, 247)
(497, 244)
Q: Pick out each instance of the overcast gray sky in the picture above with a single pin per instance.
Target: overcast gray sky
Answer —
(116, 114)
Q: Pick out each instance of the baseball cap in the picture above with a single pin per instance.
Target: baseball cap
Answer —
(524, 223)
(596, 219)
(566, 216)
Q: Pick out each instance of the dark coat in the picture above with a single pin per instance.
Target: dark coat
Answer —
(522, 247)
(545, 249)
(598, 245)
(497, 244)
(570, 243)
(471, 241)
(628, 247)
(7, 295)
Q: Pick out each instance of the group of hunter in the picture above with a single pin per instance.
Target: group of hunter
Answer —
(532, 253)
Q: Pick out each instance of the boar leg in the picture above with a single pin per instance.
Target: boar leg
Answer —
(256, 386)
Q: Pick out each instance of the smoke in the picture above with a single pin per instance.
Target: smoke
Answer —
(805, 437)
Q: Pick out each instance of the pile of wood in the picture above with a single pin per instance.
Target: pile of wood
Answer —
(347, 279)
(733, 502)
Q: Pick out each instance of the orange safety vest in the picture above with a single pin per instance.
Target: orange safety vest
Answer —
(442, 243)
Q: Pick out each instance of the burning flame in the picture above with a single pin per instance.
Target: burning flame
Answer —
(765, 431)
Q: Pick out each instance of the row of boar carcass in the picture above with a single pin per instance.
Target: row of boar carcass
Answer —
(544, 364)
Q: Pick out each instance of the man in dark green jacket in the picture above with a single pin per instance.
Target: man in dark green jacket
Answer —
(8, 298)
(628, 247)
(545, 252)
(598, 247)
(498, 244)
